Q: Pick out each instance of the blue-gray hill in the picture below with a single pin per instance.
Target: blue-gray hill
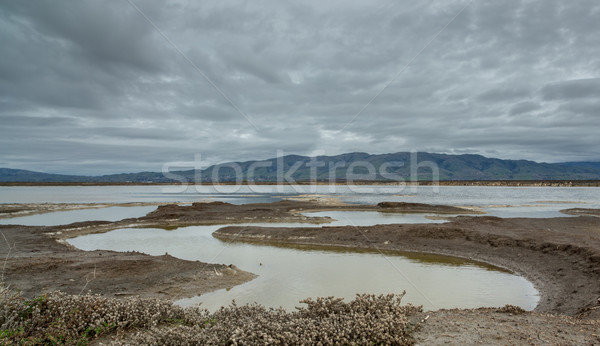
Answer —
(353, 166)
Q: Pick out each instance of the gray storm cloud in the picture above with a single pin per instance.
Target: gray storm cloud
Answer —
(91, 87)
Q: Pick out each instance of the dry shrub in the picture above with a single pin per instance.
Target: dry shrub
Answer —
(59, 318)
(367, 319)
(511, 309)
(70, 319)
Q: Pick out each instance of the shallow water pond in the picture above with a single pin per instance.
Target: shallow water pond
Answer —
(290, 274)
(79, 215)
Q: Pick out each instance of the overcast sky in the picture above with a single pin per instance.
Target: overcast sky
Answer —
(95, 87)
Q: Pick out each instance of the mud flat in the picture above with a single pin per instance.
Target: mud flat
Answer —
(561, 256)
(37, 263)
(39, 259)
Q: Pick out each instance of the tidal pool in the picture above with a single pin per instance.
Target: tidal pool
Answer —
(287, 275)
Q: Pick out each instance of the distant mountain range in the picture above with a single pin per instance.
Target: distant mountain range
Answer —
(350, 166)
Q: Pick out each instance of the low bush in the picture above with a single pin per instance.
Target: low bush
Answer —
(58, 318)
(71, 319)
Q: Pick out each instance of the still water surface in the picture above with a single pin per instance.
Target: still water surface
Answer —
(290, 274)
(66, 217)
(498, 201)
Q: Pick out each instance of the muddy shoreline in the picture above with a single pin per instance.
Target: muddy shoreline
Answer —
(39, 259)
(561, 256)
(36, 263)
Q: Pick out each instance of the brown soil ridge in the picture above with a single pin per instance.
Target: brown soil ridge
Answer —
(421, 208)
(561, 256)
(283, 211)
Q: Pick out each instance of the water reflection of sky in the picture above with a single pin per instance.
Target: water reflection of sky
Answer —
(496, 201)
(290, 274)
(448, 195)
(80, 215)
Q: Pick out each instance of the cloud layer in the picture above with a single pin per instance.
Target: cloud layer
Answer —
(93, 87)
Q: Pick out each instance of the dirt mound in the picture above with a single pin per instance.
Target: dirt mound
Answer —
(405, 207)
